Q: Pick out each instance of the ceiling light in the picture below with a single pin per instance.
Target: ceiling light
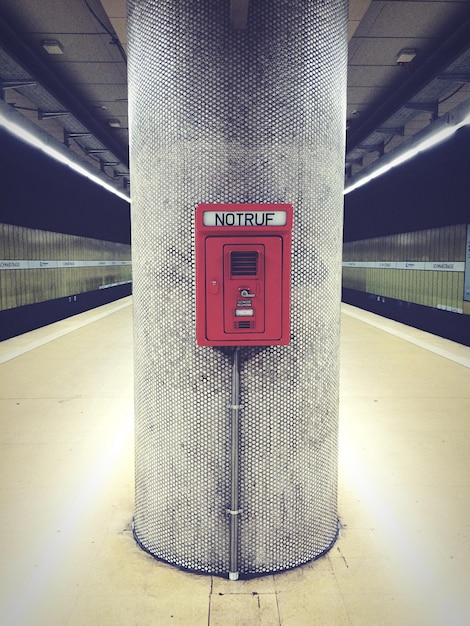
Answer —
(52, 46)
(114, 123)
(427, 141)
(406, 56)
(19, 130)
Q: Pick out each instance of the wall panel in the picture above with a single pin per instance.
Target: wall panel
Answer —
(436, 255)
(42, 280)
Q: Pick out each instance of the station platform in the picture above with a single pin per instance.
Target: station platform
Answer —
(68, 556)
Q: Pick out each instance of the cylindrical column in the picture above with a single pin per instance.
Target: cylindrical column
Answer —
(225, 115)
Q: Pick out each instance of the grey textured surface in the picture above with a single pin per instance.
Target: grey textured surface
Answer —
(218, 115)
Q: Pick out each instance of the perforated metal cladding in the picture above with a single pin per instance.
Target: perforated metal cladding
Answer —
(218, 115)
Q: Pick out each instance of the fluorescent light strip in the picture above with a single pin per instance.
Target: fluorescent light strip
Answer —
(24, 135)
(428, 142)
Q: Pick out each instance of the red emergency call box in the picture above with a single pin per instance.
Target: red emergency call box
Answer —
(243, 263)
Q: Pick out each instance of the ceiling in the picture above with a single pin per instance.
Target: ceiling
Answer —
(79, 96)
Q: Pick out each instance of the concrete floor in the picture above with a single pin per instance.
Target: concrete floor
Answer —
(67, 554)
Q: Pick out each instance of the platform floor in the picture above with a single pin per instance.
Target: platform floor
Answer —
(67, 555)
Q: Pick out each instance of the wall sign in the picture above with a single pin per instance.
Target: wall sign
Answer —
(245, 218)
(9, 264)
(466, 291)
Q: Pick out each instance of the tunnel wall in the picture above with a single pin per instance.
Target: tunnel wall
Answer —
(406, 253)
(64, 241)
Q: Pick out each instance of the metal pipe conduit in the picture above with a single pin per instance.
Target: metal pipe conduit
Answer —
(234, 511)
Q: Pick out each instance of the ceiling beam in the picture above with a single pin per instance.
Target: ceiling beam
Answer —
(436, 64)
(41, 74)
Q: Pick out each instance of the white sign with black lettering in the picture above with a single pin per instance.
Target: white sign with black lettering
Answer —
(245, 218)
(435, 266)
(21, 264)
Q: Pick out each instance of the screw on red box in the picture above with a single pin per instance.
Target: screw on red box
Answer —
(243, 262)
